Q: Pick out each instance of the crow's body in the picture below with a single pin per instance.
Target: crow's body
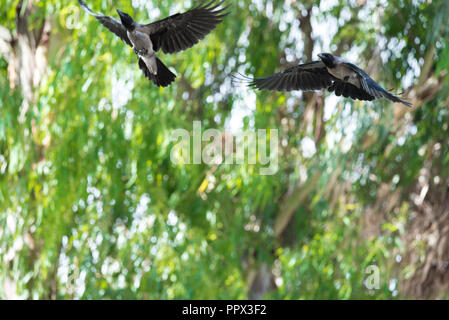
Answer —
(143, 47)
(341, 72)
(331, 73)
(173, 34)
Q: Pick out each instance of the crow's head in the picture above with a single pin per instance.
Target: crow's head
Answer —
(127, 21)
(328, 59)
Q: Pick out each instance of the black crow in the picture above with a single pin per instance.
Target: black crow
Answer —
(331, 73)
(173, 34)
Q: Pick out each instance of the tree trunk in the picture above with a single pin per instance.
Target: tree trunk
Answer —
(26, 54)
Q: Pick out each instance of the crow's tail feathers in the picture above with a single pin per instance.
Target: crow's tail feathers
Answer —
(406, 103)
(164, 76)
(394, 98)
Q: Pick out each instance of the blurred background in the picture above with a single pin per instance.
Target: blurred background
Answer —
(91, 207)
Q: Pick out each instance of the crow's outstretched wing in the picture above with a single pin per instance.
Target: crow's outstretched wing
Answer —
(309, 76)
(112, 24)
(183, 30)
(369, 87)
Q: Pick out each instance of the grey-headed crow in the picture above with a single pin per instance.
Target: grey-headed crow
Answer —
(331, 73)
(173, 34)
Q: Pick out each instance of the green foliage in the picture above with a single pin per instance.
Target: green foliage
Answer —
(91, 206)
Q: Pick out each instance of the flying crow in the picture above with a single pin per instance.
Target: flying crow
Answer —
(331, 73)
(173, 34)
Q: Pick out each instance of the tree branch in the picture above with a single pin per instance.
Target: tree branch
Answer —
(292, 201)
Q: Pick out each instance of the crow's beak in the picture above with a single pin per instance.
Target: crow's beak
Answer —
(321, 56)
(121, 14)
